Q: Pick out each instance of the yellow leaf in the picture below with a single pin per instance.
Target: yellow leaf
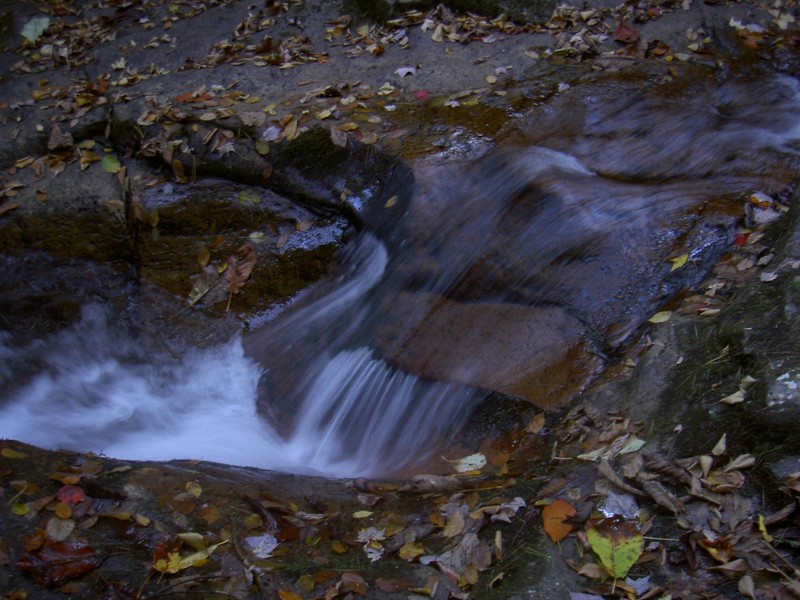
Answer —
(11, 453)
(194, 540)
(21, 509)
(617, 543)
(362, 514)
(661, 317)
(193, 488)
(455, 525)
(763, 529)
(411, 550)
(338, 547)
(679, 261)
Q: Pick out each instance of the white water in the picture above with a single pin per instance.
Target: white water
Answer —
(97, 389)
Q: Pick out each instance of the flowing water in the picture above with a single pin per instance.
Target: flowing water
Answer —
(516, 272)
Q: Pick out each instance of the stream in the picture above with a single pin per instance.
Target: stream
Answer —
(519, 272)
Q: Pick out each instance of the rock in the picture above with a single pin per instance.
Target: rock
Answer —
(535, 353)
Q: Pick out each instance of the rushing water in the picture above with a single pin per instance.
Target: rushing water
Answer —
(507, 263)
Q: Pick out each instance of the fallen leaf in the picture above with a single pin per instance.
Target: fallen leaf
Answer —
(240, 265)
(58, 139)
(53, 563)
(59, 529)
(110, 164)
(71, 494)
(8, 207)
(473, 462)
(625, 33)
(678, 262)
(353, 583)
(553, 517)
(11, 453)
(661, 317)
(617, 543)
(34, 29)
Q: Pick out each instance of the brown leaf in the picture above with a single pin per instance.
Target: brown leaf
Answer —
(240, 265)
(56, 562)
(354, 583)
(625, 33)
(58, 139)
(8, 207)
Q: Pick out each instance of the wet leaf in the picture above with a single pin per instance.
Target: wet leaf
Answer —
(71, 494)
(353, 583)
(362, 514)
(473, 462)
(110, 164)
(617, 543)
(194, 489)
(59, 529)
(262, 546)
(553, 517)
(288, 595)
(53, 563)
(411, 550)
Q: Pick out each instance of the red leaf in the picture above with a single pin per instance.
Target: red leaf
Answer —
(56, 562)
(422, 95)
(625, 33)
(71, 494)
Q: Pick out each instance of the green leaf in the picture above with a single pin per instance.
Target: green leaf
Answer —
(262, 147)
(617, 543)
(110, 163)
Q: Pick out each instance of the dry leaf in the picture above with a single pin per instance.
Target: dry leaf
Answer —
(240, 265)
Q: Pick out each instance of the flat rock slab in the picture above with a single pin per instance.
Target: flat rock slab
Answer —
(536, 353)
